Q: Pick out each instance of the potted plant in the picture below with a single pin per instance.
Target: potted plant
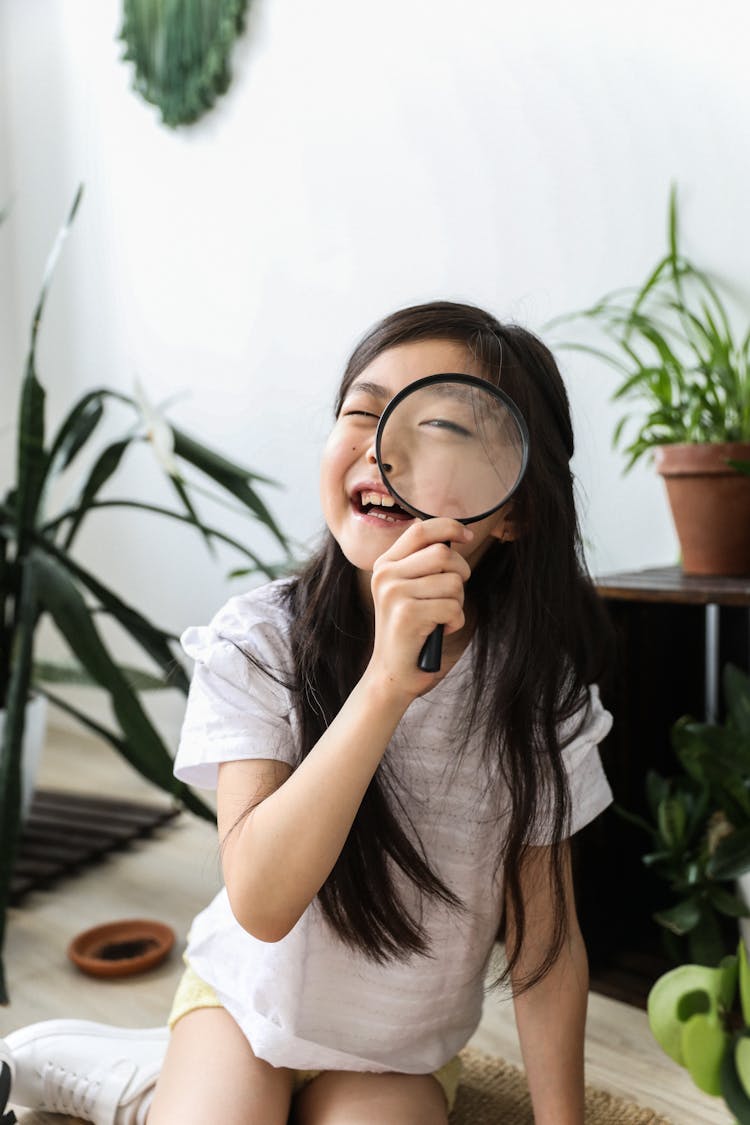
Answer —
(40, 575)
(671, 342)
(700, 827)
(701, 1017)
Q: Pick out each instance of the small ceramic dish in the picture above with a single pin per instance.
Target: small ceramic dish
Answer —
(119, 949)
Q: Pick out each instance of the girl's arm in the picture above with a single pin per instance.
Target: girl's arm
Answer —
(278, 857)
(551, 1016)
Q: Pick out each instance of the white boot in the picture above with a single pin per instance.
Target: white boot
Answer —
(90, 1070)
(6, 1081)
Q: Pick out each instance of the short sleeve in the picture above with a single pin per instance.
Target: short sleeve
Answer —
(589, 789)
(236, 710)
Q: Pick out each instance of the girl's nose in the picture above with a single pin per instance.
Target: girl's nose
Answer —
(372, 459)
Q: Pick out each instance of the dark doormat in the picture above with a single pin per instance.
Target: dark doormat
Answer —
(67, 831)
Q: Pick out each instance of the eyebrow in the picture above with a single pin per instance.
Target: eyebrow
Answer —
(459, 391)
(375, 389)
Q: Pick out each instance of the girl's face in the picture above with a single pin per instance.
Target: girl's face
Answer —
(350, 483)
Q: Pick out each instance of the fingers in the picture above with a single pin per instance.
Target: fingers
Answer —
(437, 558)
(423, 533)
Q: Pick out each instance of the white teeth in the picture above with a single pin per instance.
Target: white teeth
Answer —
(376, 498)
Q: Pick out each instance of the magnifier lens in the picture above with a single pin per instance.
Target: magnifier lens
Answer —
(452, 448)
(451, 445)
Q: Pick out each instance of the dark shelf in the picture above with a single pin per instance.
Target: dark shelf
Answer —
(674, 634)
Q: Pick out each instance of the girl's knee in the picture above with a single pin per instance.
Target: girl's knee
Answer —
(349, 1098)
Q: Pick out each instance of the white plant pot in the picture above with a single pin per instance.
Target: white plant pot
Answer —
(34, 732)
(743, 890)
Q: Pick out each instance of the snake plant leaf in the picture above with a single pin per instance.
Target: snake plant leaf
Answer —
(76, 429)
(32, 458)
(705, 1041)
(259, 566)
(192, 515)
(49, 270)
(733, 1087)
(59, 596)
(182, 792)
(232, 477)
(10, 757)
(47, 672)
(154, 641)
(103, 468)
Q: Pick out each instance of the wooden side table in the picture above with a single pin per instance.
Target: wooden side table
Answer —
(674, 634)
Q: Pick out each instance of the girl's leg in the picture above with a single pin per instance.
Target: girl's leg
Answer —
(211, 1074)
(345, 1098)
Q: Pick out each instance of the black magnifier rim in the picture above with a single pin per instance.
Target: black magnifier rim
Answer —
(469, 381)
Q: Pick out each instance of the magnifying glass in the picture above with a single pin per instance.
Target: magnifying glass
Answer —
(451, 445)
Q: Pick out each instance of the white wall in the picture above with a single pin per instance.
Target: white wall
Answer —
(366, 156)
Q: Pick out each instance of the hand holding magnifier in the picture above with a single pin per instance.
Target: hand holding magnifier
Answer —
(451, 445)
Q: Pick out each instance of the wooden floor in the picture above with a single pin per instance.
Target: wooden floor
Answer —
(171, 876)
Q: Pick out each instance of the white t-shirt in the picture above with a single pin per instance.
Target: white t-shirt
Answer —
(309, 1001)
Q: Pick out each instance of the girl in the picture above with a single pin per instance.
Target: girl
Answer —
(377, 822)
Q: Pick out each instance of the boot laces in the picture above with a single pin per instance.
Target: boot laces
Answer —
(67, 1092)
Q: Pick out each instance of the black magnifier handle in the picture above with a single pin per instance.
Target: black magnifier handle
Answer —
(432, 650)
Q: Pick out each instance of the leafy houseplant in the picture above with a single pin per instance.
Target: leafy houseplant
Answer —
(39, 575)
(671, 343)
(700, 826)
(698, 1019)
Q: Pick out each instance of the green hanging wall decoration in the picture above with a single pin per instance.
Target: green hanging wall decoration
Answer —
(181, 51)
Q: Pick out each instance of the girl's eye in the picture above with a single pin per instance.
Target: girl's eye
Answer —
(361, 413)
(445, 424)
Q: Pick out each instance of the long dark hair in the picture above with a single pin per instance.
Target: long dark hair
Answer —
(538, 608)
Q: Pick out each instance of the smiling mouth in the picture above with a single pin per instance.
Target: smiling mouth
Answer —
(382, 507)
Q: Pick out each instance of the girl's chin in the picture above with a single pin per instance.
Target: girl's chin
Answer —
(363, 554)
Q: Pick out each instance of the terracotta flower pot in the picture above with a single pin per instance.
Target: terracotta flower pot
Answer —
(119, 949)
(710, 505)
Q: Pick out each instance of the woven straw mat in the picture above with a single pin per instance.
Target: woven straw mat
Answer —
(493, 1092)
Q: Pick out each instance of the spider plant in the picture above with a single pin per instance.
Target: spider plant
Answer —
(672, 344)
(40, 576)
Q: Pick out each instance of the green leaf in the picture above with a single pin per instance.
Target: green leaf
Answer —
(232, 477)
(672, 821)
(31, 459)
(727, 903)
(12, 739)
(154, 641)
(49, 269)
(744, 980)
(704, 1045)
(678, 995)
(47, 672)
(731, 857)
(682, 918)
(189, 799)
(732, 1088)
(638, 821)
(737, 694)
(657, 790)
(706, 941)
(59, 596)
(104, 467)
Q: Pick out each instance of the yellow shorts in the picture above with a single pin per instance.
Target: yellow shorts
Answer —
(192, 993)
